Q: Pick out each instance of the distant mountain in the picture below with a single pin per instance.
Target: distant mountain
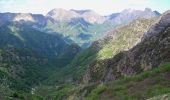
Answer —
(66, 15)
(76, 25)
(97, 25)
(26, 18)
(92, 17)
(129, 15)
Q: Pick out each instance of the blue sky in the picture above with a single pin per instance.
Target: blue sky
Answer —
(103, 7)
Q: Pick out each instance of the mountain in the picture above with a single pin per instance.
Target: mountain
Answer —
(40, 54)
(29, 56)
(66, 15)
(76, 26)
(22, 36)
(89, 25)
(120, 39)
(61, 14)
(145, 55)
(137, 73)
(129, 15)
(26, 18)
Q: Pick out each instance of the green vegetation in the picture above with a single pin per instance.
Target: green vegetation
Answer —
(76, 69)
(145, 85)
(138, 87)
(94, 95)
(74, 30)
(125, 38)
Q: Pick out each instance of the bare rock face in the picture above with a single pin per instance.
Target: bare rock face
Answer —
(149, 53)
(161, 25)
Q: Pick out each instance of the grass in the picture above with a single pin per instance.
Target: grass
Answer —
(96, 92)
(138, 87)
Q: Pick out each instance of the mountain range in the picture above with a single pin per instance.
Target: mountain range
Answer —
(77, 26)
(82, 55)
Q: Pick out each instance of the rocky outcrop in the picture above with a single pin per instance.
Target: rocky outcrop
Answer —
(149, 53)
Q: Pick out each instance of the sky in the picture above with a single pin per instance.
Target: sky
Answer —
(103, 7)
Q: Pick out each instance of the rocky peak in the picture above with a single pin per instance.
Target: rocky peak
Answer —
(61, 14)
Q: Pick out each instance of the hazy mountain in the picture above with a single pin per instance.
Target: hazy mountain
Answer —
(129, 15)
(66, 15)
(77, 25)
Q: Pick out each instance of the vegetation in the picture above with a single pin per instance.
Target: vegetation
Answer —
(78, 32)
(143, 86)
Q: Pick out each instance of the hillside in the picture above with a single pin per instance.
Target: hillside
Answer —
(46, 57)
(139, 73)
(152, 51)
(120, 39)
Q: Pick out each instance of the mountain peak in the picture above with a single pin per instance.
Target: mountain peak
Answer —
(66, 15)
(60, 14)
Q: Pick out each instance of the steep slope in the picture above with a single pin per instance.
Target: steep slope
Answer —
(151, 52)
(22, 36)
(22, 68)
(123, 38)
(78, 30)
(137, 74)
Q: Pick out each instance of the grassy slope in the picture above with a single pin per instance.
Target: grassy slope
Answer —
(125, 38)
(143, 86)
(138, 87)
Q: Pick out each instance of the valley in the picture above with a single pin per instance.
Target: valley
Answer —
(82, 55)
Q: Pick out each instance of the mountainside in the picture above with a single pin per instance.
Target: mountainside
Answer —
(92, 26)
(77, 26)
(152, 51)
(139, 73)
(46, 57)
(120, 39)
(22, 36)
